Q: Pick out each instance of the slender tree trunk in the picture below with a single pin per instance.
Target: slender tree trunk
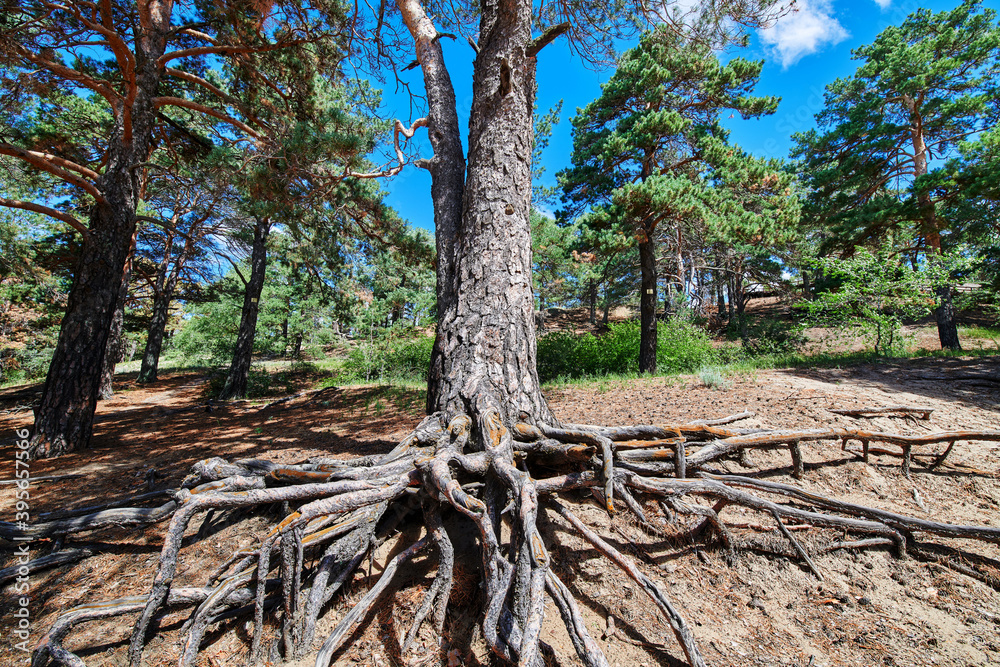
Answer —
(115, 350)
(592, 298)
(485, 345)
(157, 328)
(163, 294)
(944, 314)
(447, 169)
(732, 298)
(239, 369)
(647, 306)
(64, 419)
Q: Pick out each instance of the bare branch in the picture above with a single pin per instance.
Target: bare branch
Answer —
(201, 108)
(51, 164)
(51, 212)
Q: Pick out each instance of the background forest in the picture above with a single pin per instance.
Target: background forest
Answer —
(663, 247)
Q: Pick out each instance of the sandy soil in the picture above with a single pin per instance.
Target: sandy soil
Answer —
(765, 609)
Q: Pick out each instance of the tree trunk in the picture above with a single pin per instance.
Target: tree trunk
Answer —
(64, 419)
(447, 172)
(157, 327)
(944, 314)
(720, 296)
(485, 345)
(592, 298)
(239, 370)
(647, 307)
(114, 350)
(163, 295)
(731, 291)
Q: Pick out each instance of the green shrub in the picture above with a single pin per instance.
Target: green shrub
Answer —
(766, 336)
(713, 377)
(390, 357)
(681, 348)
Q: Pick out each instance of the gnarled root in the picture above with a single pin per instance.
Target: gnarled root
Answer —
(477, 474)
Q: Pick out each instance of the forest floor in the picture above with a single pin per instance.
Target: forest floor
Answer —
(765, 609)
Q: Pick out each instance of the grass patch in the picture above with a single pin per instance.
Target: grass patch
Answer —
(713, 377)
(975, 331)
(681, 348)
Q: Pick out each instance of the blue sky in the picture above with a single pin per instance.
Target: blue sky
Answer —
(803, 52)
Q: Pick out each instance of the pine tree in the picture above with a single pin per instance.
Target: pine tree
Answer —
(922, 88)
(641, 149)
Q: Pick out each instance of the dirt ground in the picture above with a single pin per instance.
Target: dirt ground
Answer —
(765, 609)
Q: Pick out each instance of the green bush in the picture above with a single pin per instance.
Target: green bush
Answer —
(390, 357)
(681, 348)
(766, 336)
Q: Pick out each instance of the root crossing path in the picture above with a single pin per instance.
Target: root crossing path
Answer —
(473, 474)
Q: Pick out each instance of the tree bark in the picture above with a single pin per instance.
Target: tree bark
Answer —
(647, 306)
(239, 369)
(64, 419)
(114, 350)
(485, 346)
(447, 169)
(166, 285)
(944, 314)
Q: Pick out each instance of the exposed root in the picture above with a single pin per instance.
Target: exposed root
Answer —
(479, 476)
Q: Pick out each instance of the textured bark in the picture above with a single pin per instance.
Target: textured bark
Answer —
(647, 307)
(447, 168)
(944, 314)
(239, 369)
(114, 350)
(64, 419)
(166, 284)
(485, 344)
(486, 332)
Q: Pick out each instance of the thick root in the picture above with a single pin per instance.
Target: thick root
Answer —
(472, 470)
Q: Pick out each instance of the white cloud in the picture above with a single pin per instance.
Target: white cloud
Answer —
(808, 29)
(883, 4)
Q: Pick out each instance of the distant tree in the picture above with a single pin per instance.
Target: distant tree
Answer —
(640, 149)
(872, 293)
(192, 210)
(144, 68)
(922, 88)
(554, 267)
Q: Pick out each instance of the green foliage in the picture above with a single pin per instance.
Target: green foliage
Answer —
(682, 348)
(922, 89)
(397, 354)
(875, 293)
(766, 335)
(398, 282)
(33, 292)
(713, 377)
(639, 149)
(652, 164)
